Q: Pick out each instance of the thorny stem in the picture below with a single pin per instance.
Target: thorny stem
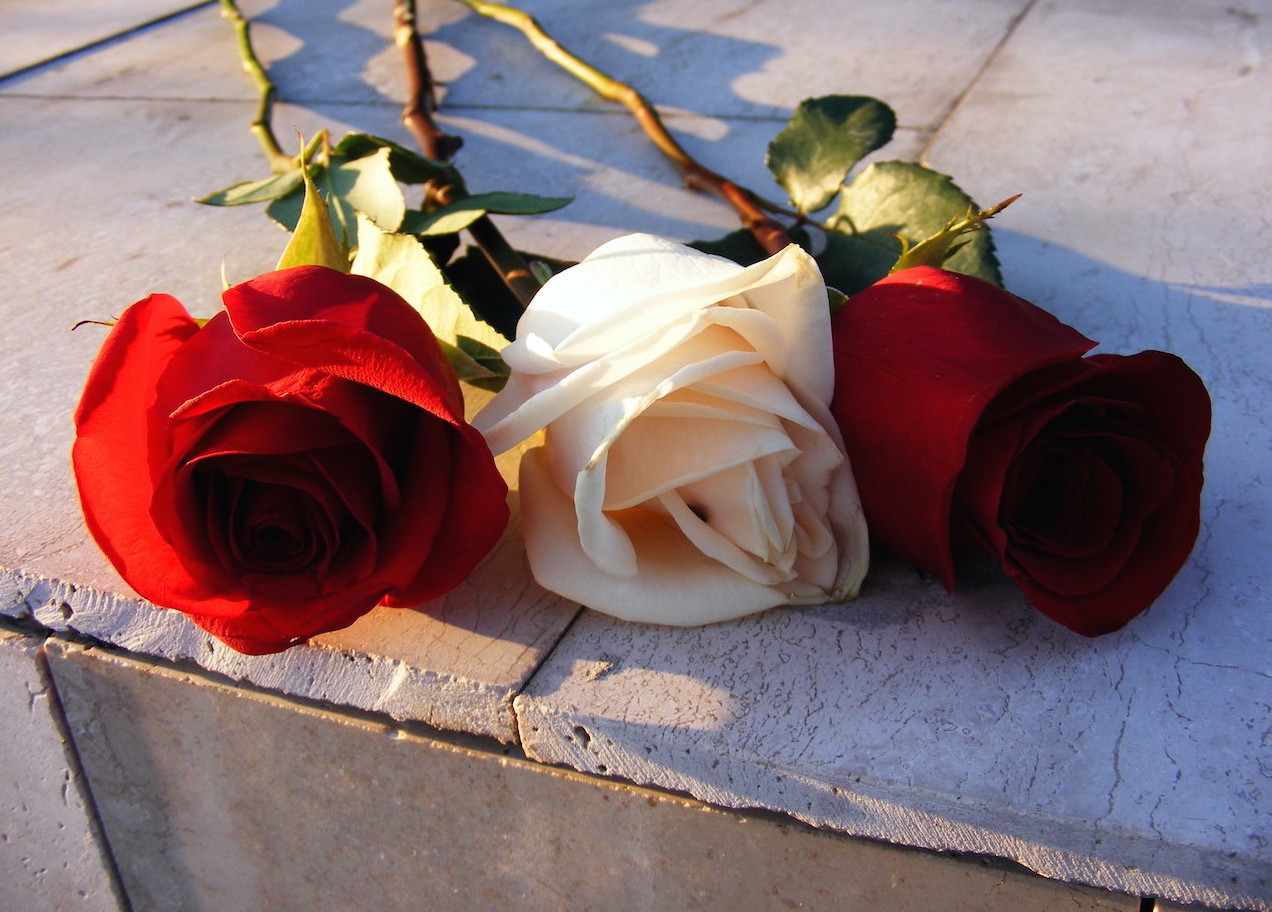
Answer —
(420, 101)
(279, 161)
(441, 146)
(768, 233)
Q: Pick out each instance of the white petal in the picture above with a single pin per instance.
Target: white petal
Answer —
(788, 287)
(675, 585)
(744, 506)
(718, 547)
(656, 455)
(627, 288)
(603, 539)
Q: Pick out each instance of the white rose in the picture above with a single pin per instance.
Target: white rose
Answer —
(690, 471)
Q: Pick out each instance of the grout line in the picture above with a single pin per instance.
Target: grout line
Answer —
(961, 100)
(100, 43)
(96, 826)
(548, 652)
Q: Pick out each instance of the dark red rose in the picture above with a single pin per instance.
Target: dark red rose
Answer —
(973, 421)
(279, 471)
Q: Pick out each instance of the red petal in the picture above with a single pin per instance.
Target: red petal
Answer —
(1148, 416)
(349, 326)
(118, 451)
(918, 356)
(476, 513)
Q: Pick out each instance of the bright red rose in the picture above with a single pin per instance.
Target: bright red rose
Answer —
(279, 471)
(972, 419)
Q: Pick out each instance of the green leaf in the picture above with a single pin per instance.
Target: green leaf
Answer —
(314, 242)
(503, 202)
(260, 191)
(363, 185)
(897, 198)
(401, 262)
(407, 166)
(463, 212)
(446, 220)
(822, 142)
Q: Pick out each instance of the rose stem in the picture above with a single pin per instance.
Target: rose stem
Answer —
(441, 146)
(279, 161)
(769, 234)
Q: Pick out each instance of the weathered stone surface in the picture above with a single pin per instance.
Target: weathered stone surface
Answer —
(37, 30)
(1138, 760)
(955, 722)
(51, 857)
(220, 799)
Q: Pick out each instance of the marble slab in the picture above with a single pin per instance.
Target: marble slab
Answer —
(51, 854)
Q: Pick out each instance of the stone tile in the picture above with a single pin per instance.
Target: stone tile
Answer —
(50, 854)
(731, 58)
(39, 30)
(964, 722)
(1136, 761)
(225, 799)
(722, 58)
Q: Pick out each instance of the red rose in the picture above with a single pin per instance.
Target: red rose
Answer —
(973, 420)
(279, 471)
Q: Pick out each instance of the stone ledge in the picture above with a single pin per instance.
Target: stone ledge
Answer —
(456, 667)
(217, 797)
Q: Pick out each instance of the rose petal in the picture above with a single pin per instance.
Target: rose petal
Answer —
(635, 477)
(348, 326)
(530, 402)
(117, 452)
(618, 330)
(712, 543)
(454, 510)
(676, 585)
(918, 356)
(1152, 416)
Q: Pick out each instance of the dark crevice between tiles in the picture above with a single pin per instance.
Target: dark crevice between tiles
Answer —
(101, 43)
(990, 60)
(78, 775)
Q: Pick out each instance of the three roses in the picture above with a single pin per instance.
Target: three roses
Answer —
(280, 470)
(705, 428)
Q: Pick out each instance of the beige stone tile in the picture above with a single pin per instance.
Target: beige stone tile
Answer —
(716, 58)
(51, 857)
(222, 799)
(734, 58)
(38, 30)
